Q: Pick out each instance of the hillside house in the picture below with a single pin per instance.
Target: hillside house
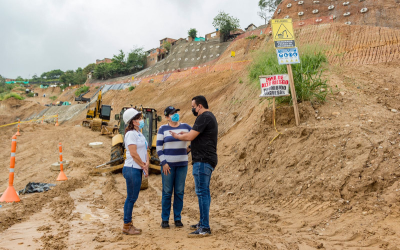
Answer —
(250, 27)
(105, 60)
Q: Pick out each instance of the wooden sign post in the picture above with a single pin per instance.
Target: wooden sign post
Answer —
(293, 92)
(283, 35)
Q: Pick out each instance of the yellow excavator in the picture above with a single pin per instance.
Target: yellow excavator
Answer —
(98, 116)
(118, 152)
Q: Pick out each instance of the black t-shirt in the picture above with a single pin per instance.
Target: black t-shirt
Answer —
(204, 146)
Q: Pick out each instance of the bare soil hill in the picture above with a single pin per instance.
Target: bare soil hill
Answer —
(13, 109)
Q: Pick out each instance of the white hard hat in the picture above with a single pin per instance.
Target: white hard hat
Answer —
(129, 114)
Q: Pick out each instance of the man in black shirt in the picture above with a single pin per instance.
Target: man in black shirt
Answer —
(204, 136)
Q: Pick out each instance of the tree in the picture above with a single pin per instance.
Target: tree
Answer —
(89, 68)
(68, 77)
(136, 60)
(19, 78)
(54, 74)
(225, 23)
(35, 77)
(79, 76)
(167, 46)
(192, 33)
(267, 8)
(122, 64)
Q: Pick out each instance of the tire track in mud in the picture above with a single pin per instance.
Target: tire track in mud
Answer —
(28, 206)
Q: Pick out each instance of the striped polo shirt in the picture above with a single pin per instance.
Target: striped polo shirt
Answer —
(169, 149)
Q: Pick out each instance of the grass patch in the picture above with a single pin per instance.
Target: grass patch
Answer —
(252, 37)
(81, 90)
(5, 96)
(131, 88)
(53, 98)
(30, 94)
(307, 75)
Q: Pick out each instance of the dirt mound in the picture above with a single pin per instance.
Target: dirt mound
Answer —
(13, 109)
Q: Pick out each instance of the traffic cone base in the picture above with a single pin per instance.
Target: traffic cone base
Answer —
(10, 195)
(17, 133)
(62, 176)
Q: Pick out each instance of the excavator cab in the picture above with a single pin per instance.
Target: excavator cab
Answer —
(99, 116)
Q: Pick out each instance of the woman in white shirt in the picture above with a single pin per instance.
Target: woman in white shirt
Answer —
(136, 161)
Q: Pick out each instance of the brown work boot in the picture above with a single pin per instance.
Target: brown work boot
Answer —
(130, 229)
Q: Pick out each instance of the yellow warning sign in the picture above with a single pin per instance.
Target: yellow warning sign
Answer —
(282, 29)
(233, 53)
(283, 33)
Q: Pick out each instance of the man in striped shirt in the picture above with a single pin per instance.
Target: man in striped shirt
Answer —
(173, 154)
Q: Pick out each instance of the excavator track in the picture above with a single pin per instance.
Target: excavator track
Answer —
(96, 125)
(116, 152)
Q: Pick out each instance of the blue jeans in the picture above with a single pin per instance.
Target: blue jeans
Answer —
(133, 177)
(202, 174)
(175, 181)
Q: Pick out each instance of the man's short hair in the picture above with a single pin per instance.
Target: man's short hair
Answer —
(200, 100)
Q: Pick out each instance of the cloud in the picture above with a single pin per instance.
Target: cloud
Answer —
(41, 35)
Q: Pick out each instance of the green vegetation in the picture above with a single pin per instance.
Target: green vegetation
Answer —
(76, 77)
(309, 83)
(30, 94)
(6, 90)
(121, 65)
(225, 23)
(252, 37)
(131, 88)
(89, 68)
(52, 74)
(192, 33)
(81, 90)
(5, 96)
(167, 46)
(53, 98)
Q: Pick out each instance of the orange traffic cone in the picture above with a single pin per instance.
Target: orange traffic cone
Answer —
(42, 119)
(10, 195)
(57, 121)
(18, 128)
(61, 176)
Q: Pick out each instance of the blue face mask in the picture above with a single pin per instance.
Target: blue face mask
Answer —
(175, 117)
(141, 124)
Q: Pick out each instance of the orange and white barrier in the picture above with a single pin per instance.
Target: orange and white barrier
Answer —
(61, 176)
(10, 195)
(18, 128)
(56, 120)
(42, 119)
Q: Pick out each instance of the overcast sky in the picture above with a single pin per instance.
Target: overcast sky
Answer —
(42, 35)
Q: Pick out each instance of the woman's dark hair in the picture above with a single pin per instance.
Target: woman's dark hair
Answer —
(130, 125)
(200, 100)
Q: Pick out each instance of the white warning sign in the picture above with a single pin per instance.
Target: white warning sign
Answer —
(275, 85)
(288, 56)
